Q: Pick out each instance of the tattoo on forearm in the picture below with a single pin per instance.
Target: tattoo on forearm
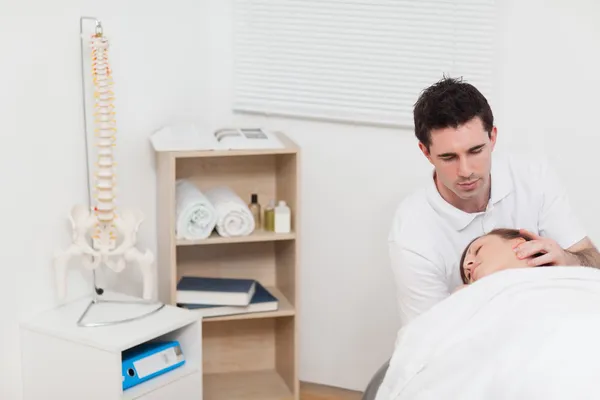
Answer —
(588, 257)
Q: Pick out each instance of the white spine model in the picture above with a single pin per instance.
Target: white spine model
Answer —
(101, 236)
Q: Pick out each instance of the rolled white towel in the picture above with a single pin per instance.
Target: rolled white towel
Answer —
(233, 214)
(196, 215)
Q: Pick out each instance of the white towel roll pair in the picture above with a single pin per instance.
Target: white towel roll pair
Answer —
(198, 214)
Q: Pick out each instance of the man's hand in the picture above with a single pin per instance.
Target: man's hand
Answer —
(550, 252)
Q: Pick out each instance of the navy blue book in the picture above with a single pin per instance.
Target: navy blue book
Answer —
(215, 291)
(262, 301)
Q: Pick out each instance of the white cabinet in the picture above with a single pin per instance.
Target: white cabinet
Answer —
(61, 360)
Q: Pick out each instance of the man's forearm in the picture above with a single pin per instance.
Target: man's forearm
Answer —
(588, 257)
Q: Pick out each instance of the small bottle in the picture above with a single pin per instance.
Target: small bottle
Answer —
(255, 210)
(269, 220)
(283, 217)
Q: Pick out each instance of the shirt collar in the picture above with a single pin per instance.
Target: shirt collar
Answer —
(502, 186)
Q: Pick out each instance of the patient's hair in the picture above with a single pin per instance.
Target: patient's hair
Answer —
(504, 233)
(449, 103)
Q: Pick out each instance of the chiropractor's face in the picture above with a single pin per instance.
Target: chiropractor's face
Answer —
(462, 160)
(489, 254)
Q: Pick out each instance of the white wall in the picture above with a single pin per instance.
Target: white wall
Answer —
(171, 62)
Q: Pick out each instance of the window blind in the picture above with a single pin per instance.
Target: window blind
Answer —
(360, 61)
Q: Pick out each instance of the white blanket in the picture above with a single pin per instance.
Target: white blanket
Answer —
(196, 216)
(521, 334)
(233, 214)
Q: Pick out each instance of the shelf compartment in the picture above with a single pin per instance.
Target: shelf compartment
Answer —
(270, 176)
(256, 236)
(189, 340)
(270, 263)
(251, 385)
(253, 358)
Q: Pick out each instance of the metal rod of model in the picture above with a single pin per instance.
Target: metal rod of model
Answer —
(102, 236)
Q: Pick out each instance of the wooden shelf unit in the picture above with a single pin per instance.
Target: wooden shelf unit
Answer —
(245, 356)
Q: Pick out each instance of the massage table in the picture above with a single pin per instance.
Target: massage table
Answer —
(519, 334)
(375, 382)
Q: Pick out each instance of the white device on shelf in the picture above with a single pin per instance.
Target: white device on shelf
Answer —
(183, 137)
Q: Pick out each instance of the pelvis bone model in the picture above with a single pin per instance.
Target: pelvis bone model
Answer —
(101, 236)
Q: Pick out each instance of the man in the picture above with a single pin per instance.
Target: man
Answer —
(471, 193)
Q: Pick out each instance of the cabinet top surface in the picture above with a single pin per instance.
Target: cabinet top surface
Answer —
(62, 322)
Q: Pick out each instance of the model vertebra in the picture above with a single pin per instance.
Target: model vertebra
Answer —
(112, 235)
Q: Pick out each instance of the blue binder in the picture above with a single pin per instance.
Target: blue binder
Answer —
(148, 360)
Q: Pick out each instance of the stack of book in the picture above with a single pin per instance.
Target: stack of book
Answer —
(212, 297)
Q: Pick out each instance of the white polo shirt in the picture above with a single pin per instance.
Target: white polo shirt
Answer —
(428, 235)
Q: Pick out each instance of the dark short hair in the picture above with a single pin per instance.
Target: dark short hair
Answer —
(504, 233)
(449, 103)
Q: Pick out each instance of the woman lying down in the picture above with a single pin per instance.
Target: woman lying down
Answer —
(512, 332)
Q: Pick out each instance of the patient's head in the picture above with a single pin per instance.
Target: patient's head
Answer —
(491, 253)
